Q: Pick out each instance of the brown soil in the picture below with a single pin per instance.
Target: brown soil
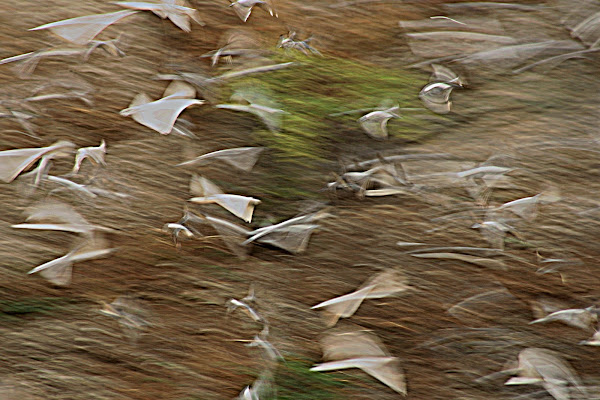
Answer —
(190, 351)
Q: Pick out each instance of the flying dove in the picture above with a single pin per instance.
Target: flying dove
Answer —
(240, 206)
(160, 115)
(13, 162)
(82, 30)
(382, 285)
(242, 158)
(175, 10)
(363, 350)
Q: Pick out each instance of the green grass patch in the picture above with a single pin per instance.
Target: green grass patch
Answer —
(294, 380)
(319, 86)
(310, 141)
(11, 310)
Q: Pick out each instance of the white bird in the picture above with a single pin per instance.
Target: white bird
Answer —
(361, 349)
(59, 271)
(302, 45)
(240, 206)
(493, 232)
(160, 115)
(82, 30)
(527, 207)
(243, 8)
(55, 215)
(375, 122)
(436, 96)
(582, 318)
(77, 187)
(242, 158)
(381, 285)
(30, 60)
(95, 154)
(542, 366)
(175, 10)
(13, 162)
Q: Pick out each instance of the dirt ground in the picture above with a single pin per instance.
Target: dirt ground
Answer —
(542, 122)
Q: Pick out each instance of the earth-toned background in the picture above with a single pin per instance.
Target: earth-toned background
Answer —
(543, 122)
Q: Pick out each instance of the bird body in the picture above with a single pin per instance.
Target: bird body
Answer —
(95, 154)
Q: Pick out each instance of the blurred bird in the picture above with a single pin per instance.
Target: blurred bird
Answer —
(130, 315)
(493, 232)
(243, 8)
(291, 235)
(248, 103)
(289, 42)
(95, 155)
(207, 192)
(382, 285)
(160, 115)
(59, 271)
(242, 158)
(179, 228)
(436, 96)
(541, 366)
(30, 60)
(582, 318)
(13, 162)
(593, 341)
(375, 122)
(361, 349)
(262, 388)
(55, 215)
(175, 10)
(527, 207)
(68, 184)
(82, 30)
(234, 304)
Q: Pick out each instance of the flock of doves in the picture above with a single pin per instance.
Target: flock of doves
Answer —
(382, 176)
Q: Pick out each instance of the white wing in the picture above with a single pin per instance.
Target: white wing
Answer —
(82, 30)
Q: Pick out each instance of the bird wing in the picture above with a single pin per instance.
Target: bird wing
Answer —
(160, 115)
(200, 186)
(242, 12)
(353, 344)
(550, 367)
(240, 206)
(384, 369)
(292, 238)
(13, 162)
(243, 158)
(82, 30)
(232, 235)
(525, 208)
(180, 90)
(343, 306)
(483, 262)
(181, 20)
(375, 124)
(386, 284)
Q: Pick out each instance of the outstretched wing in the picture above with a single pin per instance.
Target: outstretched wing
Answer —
(82, 30)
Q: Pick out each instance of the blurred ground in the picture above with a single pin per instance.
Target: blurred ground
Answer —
(543, 122)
